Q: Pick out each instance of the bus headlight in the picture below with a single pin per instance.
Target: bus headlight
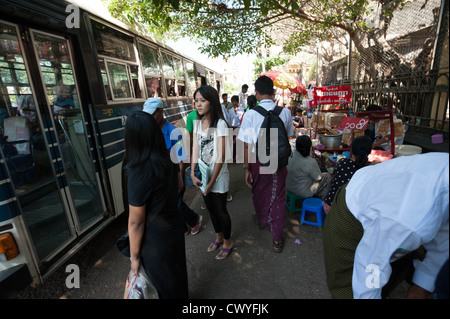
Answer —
(8, 246)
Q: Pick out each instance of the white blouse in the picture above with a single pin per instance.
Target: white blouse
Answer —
(208, 152)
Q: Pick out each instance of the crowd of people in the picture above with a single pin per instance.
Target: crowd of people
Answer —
(392, 215)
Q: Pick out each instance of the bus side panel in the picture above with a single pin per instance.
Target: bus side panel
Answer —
(11, 221)
(111, 123)
(21, 271)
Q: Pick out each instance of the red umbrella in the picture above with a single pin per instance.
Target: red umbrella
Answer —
(285, 80)
(299, 89)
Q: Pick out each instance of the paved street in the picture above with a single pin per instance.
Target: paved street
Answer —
(252, 271)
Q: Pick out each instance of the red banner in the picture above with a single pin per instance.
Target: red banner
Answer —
(333, 94)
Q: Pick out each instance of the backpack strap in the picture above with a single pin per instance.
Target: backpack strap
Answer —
(277, 110)
(260, 110)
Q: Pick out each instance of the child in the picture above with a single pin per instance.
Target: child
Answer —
(237, 109)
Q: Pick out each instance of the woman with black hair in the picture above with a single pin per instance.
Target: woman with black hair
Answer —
(251, 102)
(346, 167)
(155, 226)
(304, 178)
(209, 144)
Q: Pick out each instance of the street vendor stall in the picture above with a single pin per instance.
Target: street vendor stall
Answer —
(336, 125)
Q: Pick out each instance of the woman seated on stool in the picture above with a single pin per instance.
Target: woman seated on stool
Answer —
(346, 167)
(304, 177)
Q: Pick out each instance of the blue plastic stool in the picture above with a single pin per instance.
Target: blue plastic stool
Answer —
(294, 203)
(313, 205)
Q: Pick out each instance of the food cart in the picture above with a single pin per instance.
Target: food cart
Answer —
(335, 139)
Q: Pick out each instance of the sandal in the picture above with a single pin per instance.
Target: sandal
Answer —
(214, 245)
(223, 251)
(277, 248)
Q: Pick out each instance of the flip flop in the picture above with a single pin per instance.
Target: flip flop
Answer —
(220, 256)
(216, 244)
(277, 248)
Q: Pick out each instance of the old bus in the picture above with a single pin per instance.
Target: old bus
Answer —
(65, 93)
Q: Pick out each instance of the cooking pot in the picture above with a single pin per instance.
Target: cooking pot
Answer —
(331, 141)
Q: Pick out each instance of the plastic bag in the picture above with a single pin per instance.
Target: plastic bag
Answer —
(139, 287)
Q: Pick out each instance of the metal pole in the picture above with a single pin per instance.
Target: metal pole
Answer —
(349, 61)
(263, 56)
(317, 67)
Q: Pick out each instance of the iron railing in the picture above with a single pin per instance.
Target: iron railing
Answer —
(419, 99)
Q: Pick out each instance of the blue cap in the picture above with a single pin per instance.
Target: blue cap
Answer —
(152, 104)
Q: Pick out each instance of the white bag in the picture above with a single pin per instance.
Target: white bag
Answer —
(139, 287)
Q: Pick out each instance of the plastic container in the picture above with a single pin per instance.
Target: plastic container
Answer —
(333, 158)
(346, 154)
(407, 150)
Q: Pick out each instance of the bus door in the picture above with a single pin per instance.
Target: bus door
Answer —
(45, 141)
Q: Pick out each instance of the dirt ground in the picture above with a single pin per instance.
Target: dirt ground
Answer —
(252, 271)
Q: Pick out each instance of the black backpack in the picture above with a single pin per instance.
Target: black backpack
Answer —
(272, 120)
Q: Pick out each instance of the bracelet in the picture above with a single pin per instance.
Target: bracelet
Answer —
(245, 167)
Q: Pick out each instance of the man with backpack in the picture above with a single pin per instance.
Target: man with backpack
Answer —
(265, 132)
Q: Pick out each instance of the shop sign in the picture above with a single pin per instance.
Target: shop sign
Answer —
(354, 123)
(332, 95)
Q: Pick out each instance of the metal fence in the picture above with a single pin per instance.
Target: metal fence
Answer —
(419, 99)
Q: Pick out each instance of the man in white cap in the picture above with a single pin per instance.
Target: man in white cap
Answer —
(174, 143)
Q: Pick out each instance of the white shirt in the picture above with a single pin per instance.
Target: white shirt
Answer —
(242, 101)
(230, 116)
(253, 120)
(239, 113)
(208, 152)
(402, 204)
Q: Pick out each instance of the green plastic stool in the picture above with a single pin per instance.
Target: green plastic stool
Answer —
(294, 203)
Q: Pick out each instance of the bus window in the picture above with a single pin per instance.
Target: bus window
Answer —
(210, 79)
(170, 87)
(151, 69)
(201, 80)
(153, 86)
(181, 89)
(113, 43)
(168, 67)
(105, 80)
(180, 80)
(190, 77)
(169, 75)
(119, 80)
(218, 86)
(134, 72)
